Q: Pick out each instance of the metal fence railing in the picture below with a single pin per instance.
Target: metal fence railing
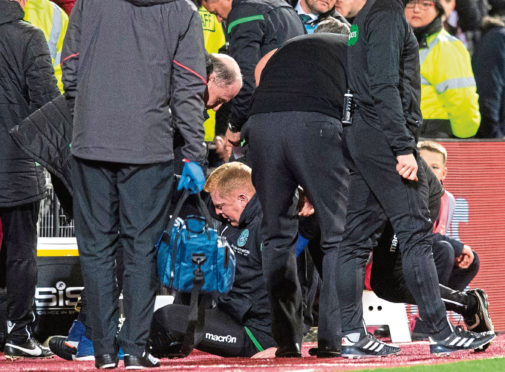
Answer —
(52, 220)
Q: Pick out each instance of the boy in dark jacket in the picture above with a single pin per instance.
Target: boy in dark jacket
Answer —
(240, 324)
(27, 83)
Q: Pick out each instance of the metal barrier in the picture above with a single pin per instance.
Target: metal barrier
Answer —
(52, 220)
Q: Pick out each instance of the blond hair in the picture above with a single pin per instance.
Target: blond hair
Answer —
(433, 147)
(229, 177)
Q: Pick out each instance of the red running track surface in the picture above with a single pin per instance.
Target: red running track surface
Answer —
(412, 354)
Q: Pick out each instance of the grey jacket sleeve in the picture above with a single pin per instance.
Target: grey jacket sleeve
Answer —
(39, 72)
(189, 79)
(70, 53)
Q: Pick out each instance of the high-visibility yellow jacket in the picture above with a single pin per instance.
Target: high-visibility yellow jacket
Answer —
(214, 39)
(53, 21)
(448, 89)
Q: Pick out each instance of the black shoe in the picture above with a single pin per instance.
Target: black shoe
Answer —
(162, 345)
(460, 339)
(146, 360)
(28, 349)
(480, 321)
(59, 346)
(367, 347)
(289, 352)
(422, 331)
(106, 361)
(323, 352)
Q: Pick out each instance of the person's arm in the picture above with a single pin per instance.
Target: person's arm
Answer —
(453, 80)
(385, 33)
(39, 72)
(70, 54)
(189, 79)
(245, 32)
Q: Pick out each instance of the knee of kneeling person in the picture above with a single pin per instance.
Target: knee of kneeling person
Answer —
(443, 254)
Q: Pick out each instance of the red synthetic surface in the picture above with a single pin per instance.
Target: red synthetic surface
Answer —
(412, 354)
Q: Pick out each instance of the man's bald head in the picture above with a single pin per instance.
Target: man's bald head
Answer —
(224, 80)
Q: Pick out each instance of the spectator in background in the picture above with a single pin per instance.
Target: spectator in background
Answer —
(449, 100)
(463, 19)
(27, 83)
(489, 68)
(253, 29)
(312, 12)
(53, 22)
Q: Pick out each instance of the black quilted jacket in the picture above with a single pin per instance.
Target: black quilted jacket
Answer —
(26, 83)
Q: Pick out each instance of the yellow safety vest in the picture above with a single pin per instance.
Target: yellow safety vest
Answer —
(214, 39)
(53, 22)
(448, 89)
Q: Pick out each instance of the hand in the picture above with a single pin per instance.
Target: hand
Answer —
(192, 178)
(407, 167)
(223, 148)
(233, 138)
(465, 259)
(305, 207)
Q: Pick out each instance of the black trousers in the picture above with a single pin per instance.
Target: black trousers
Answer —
(120, 205)
(222, 334)
(18, 267)
(388, 282)
(379, 194)
(288, 149)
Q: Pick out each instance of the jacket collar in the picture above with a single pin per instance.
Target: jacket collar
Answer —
(251, 211)
(10, 11)
(422, 33)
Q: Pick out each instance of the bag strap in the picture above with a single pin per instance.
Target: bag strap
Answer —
(196, 316)
(202, 209)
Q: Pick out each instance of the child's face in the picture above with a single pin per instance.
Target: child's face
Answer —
(435, 161)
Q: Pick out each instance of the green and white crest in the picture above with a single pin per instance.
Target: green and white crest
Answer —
(242, 240)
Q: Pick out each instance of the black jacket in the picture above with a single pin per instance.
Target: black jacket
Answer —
(489, 68)
(247, 302)
(254, 28)
(26, 83)
(383, 72)
(46, 137)
(137, 68)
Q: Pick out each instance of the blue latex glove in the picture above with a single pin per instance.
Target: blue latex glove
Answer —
(192, 178)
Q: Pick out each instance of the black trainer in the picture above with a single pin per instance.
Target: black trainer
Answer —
(325, 352)
(367, 347)
(480, 321)
(162, 345)
(28, 349)
(146, 360)
(106, 361)
(460, 339)
(59, 346)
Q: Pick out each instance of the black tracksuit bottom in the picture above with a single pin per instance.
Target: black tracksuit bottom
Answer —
(120, 205)
(18, 268)
(378, 194)
(223, 335)
(387, 279)
(288, 149)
